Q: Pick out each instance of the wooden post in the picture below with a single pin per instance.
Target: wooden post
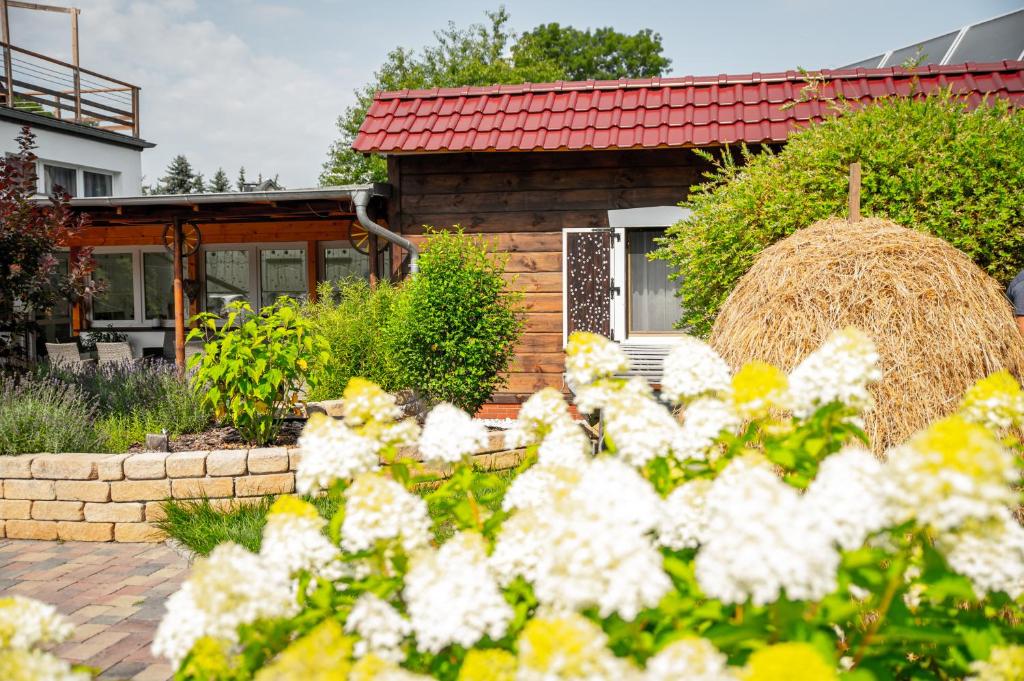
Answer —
(312, 258)
(74, 61)
(179, 299)
(8, 75)
(374, 259)
(854, 211)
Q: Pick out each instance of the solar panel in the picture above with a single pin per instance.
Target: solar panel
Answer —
(928, 52)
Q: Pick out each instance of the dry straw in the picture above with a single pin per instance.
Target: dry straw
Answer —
(940, 323)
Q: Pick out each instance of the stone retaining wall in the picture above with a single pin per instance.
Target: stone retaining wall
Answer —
(117, 497)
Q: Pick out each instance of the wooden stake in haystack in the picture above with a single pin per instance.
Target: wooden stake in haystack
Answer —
(854, 211)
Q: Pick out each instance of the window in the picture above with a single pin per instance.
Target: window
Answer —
(158, 286)
(98, 184)
(55, 324)
(117, 302)
(345, 263)
(653, 306)
(227, 278)
(282, 273)
(59, 177)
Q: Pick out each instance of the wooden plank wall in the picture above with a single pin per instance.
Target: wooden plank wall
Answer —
(223, 233)
(524, 200)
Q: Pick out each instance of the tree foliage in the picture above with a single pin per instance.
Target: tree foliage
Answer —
(180, 177)
(601, 54)
(30, 234)
(220, 182)
(489, 54)
(927, 164)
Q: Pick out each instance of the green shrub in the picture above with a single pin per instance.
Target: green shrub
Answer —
(353, 319)
(254, 369)
(45, 415)
(927, 164)
(457, 323)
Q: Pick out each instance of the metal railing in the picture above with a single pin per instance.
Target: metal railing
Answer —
(39, 84)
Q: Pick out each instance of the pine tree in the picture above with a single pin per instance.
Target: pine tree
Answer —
(198, 184)
(220, 182)
(180, 177)
(241, 179)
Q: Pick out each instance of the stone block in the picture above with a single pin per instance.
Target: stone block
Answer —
(155, 511)
(29, 489)
(259, 485)
(157, 442)
(137, 532)
(85, 531)
(15, 509)
(140, 490)
(111, 467)
(130, 512)
(186, 465)
(222, 462)
(66, 466)
(145, 466)
(83, 490)
(294, 456)
(268, 460)
(16, 466)
(57, 510)
(197, 488)
(3, 529)
(31, 529)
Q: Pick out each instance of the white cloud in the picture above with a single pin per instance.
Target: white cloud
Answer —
(209, 94)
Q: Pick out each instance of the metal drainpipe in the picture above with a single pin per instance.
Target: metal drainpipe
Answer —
(361, 199)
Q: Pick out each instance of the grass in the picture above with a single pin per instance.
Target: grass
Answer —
(199, 525)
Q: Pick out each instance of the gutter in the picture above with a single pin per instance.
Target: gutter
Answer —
(361, 199)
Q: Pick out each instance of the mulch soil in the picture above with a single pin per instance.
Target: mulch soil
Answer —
(227, 437)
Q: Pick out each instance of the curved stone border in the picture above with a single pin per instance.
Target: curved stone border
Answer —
(118, 497)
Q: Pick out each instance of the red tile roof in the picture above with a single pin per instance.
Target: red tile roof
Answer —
(658, 112)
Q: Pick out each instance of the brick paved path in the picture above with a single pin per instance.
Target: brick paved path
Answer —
(113, 593)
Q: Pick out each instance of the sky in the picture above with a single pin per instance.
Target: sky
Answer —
(260, 83)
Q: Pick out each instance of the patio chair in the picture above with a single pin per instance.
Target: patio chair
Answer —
(64, 355)
(108, 353)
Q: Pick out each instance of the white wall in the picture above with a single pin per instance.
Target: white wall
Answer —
(81, 151)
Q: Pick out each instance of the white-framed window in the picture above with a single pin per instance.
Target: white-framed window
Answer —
(339, 261)
(258, 273)
(139, 286)
(55, 324)
(76, 180)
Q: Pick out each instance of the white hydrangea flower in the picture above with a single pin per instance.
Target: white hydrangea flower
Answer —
(953, 472)
(544, 420)
(379, 509)
(839, 371)
(590, 356)
(36, 665)
(990, 554)
(637, 426)
(26, 622)
(226, 589)
(586, 544)
(704, 420)
(332, 451)
(380, 627)
(568, 647)
(293, 541)
(453, 597)
(692, 369)
(540, 486)
(365, 402)
(684, 516)
(761, 540)
(692, 659)
(850, 496)
(449, 434)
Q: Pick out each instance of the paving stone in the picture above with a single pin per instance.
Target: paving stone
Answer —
(57, 510)
(83, 490)
(150, 466)
(29, 489)
(221, 462)
(268, 460)
(140, 490)
(186, 465)
(261, 485)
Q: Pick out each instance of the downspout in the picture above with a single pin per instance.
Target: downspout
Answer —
(361, 199)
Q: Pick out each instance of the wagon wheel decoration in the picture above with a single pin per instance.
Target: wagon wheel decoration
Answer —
(190, 238)
(360, 240)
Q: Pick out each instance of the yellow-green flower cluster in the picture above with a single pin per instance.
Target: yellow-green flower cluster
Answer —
(24, 624)
(1004, 663)
(996, 402)
(788, 662)
(757, 388)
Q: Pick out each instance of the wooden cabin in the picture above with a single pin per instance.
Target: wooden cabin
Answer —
(577, 180)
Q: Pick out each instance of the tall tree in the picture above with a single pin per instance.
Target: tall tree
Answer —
(241, 179)
(180, 178)
(30, 234)
(198, 184)
(601, 54)
(220, 182)
(477, 55)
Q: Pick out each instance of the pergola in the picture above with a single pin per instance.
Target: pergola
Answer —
(182, 221)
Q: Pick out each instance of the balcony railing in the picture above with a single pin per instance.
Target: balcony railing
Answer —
(39, 84)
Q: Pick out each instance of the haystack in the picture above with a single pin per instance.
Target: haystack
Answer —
(939, 321)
